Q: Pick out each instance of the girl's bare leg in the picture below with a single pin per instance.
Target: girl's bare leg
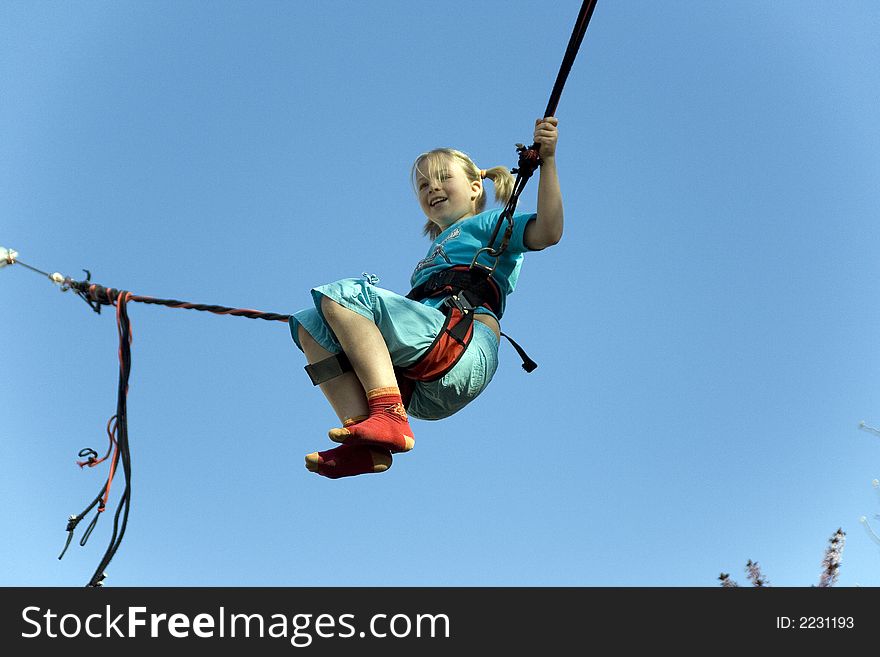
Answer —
(363, 344)
(348, 399)
(387, 425)
(345, 393)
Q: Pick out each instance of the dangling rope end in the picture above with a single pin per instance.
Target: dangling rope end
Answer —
(527, 363)
(91, 457)
(72, 522)
(97, 581)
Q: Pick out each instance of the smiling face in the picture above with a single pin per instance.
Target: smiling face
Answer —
(446, 193)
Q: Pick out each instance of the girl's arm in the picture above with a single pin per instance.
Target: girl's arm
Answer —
(546, 230)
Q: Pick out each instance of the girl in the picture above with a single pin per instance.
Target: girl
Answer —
(358, 338)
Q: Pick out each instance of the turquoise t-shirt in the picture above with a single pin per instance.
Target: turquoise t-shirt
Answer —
(457, 245)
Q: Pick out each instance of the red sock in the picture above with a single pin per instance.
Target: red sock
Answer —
(386, 427)
(348, 461)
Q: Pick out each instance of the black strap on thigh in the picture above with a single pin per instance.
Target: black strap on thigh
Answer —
(329, 368)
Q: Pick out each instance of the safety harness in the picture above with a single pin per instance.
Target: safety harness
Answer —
(458, 328)
(466, 289)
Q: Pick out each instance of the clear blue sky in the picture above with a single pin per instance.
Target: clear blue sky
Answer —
(706, 330)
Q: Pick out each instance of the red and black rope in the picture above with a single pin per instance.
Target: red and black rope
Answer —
(98, 296)
(117, 428)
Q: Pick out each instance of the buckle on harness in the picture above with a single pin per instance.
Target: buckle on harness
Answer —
(461, 302)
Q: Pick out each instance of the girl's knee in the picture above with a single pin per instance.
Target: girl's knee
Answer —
(304, 336)
(329, 308)
(310, 346)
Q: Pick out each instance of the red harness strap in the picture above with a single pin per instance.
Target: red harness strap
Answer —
(447, 349)
(443, 354)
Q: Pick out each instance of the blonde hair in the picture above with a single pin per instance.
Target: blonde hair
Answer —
(430, 164)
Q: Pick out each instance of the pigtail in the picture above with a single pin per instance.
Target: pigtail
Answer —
(503, 182)
(431, 229)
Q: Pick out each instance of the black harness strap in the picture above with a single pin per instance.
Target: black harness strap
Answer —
(329, 368)
(527, 363)
(480, 289)
(469, 289)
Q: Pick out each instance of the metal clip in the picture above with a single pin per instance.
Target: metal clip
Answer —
(492, 253)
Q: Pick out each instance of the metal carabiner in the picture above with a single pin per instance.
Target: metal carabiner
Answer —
(492, 253)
